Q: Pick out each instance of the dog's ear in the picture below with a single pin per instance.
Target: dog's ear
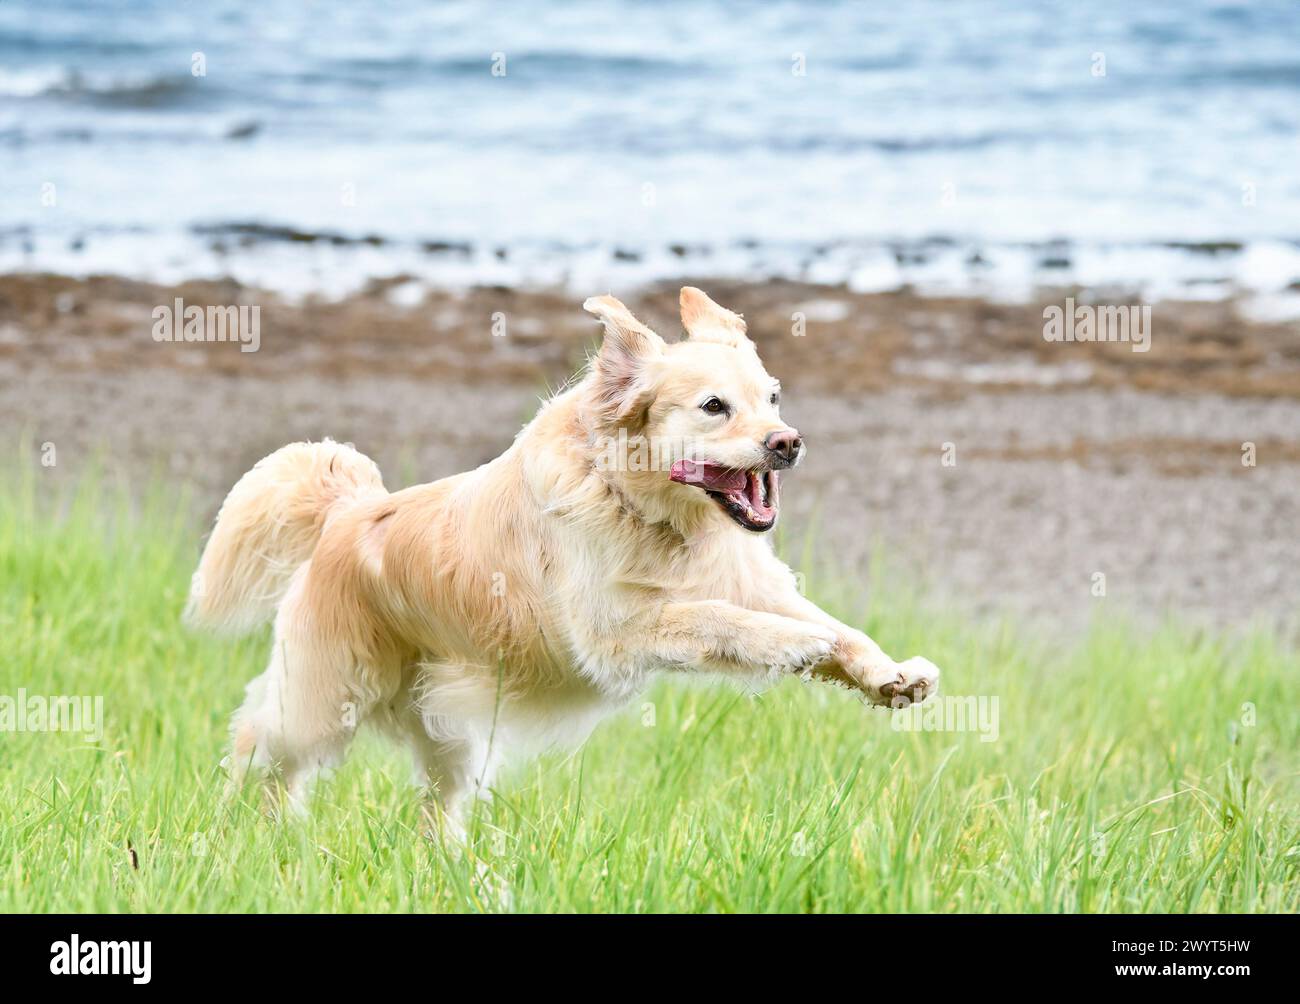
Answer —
(622, 390)
(705, 321)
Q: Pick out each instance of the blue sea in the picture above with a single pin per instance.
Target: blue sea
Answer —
(985, 147)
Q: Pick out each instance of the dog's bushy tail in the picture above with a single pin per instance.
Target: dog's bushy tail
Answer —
(268, 526)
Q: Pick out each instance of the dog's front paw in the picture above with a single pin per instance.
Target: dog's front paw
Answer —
(903, 683)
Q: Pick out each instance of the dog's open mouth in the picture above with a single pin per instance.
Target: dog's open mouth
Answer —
(751, 498)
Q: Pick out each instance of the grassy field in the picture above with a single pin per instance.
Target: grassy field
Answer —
(1132, 772)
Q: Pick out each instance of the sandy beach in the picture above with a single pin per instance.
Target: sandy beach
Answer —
(1066, 459)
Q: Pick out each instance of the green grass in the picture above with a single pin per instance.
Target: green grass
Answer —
(1124, 777)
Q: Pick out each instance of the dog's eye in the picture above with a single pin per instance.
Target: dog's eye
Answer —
(713, 406)
(776, 398)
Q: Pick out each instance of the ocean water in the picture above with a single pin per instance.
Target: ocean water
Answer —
(978, 146)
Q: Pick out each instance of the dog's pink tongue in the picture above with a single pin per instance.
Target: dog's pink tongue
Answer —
(713, 477)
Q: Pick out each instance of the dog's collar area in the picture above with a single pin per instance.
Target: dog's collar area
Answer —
(630, 508)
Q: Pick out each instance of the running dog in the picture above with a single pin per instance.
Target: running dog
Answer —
(512, 607)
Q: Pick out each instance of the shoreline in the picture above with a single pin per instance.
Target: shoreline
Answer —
(1070, 458)
(301, 262)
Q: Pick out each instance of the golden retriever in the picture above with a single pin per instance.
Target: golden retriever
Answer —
(511, 607)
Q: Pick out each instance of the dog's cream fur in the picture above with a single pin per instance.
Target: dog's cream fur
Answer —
(515, 605)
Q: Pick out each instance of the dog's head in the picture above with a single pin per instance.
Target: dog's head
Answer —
(691, 429)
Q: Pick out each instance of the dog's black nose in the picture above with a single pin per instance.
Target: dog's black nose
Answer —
(785, 443)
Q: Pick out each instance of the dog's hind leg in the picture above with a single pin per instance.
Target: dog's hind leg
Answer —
(451, 770)
(446, 769)
(453, 762)
(300, 715)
